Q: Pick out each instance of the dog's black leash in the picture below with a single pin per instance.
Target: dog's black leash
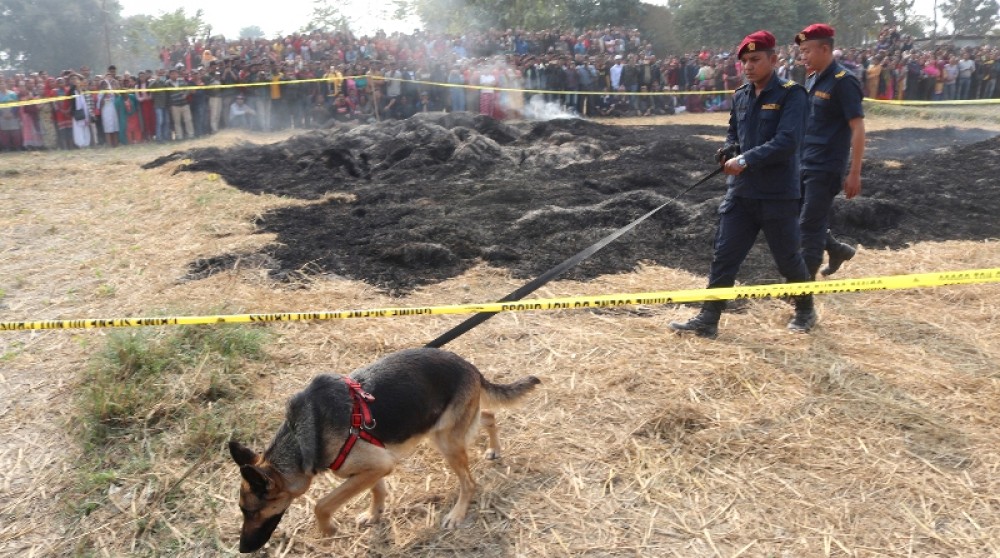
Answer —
(558, 270)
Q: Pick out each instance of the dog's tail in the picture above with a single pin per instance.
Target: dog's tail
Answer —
(506, 395)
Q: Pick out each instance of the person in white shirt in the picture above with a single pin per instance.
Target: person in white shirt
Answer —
(950, 78)
(241, 114)
(616, 73)
(965, 68)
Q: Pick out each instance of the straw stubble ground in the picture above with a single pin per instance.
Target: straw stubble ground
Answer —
(875, 436)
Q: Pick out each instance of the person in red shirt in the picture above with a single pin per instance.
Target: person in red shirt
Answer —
(146, 108)
(62, 111)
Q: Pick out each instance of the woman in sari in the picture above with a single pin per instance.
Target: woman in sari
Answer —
(901, 77)
(887, 80)
(872, 77)
(31, 134)
(81, 113)
(47, 117)
(108, 112)
(130, 128)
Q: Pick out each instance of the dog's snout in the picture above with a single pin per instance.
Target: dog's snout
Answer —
(253, 538)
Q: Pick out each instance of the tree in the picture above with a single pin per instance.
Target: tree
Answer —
(658, 27)
(708, 22)
(916, 26)
(458, 15)
(137, 39)
(853, 20)
(901, 13)
(177, 27)
(859, 21)
(327, 17)
(971, 17)
(53, 35)
(597, 13)
(251, 32)
(136, 46)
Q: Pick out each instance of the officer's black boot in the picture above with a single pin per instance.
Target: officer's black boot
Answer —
(839, 253)
(706, 323)
(805, 315)
(812, 269)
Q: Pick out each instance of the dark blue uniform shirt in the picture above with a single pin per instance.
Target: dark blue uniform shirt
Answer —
(768, 128)
(834, 100)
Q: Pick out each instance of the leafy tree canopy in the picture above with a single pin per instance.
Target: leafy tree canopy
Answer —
(326, 16)
(456, 16)
(251, 32)
(971, 17)
(711, 22)
(54, 34)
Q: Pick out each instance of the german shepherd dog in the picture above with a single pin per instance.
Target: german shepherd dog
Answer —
(416, 393)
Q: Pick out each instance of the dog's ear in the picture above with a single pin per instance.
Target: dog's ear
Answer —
(242, 455)
(257, 479)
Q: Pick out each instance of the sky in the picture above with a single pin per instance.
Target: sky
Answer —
(228, 17)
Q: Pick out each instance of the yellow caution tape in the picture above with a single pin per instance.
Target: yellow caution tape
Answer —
(261, 84)
(175, 89)
(35, 101)
(966, 102)
(464, 86)
(893, 282)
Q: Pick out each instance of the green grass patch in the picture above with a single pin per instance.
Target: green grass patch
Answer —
(151, 381)
(153, 404)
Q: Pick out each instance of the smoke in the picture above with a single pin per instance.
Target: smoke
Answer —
(497, 72)
(539, 109)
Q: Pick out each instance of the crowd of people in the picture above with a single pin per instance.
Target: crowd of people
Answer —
(317, 79)
(895, 69)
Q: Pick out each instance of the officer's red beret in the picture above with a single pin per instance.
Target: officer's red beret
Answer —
(758, 40)
(814, 31)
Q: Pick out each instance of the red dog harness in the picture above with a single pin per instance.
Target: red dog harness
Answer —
(361, 422)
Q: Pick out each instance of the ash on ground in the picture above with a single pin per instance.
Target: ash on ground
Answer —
(433, 195)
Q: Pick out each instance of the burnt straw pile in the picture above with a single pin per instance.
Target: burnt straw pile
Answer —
(404, 203)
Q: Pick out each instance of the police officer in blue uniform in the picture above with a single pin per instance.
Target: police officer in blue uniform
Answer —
(835, 132)
(761, 157)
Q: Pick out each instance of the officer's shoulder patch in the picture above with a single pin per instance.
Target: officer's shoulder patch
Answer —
(744, 86)
(840, 74)
(789, 84)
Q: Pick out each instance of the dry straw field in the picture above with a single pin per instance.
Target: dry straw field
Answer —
(874, 436)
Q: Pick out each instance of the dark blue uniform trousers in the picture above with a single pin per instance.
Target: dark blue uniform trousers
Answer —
(819, 188)
(741, 220)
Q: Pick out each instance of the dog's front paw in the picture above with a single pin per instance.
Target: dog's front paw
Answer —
(492, 454)
(367, 519)
(453, 520)
(325, 526)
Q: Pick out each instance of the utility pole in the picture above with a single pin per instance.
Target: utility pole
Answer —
(107, 32)
(934, 35)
